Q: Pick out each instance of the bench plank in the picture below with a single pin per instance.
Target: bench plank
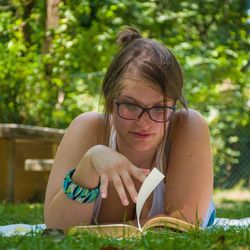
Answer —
(38, 164)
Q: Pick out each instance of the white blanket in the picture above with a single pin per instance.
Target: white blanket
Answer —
(228, 223)
(20, 229)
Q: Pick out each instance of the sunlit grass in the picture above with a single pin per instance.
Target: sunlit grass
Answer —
(21, 213)
(232, 203)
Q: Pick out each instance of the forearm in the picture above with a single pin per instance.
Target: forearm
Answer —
(63, 212)
(85, 175)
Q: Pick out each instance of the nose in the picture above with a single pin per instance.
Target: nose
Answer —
(143, 118)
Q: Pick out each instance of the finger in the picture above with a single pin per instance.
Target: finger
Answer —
(104, 182)
(140, 173)
(129, 184)
(120, 189)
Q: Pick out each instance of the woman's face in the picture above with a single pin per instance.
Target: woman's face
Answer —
(142, 134)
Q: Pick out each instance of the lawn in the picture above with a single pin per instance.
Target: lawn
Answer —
(229, 204)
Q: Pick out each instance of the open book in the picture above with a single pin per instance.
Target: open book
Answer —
(127, 231)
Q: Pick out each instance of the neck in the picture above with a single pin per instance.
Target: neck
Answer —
(139, 159)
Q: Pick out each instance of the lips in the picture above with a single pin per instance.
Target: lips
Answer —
(140, 135)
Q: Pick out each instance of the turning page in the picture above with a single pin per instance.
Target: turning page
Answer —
(150, 183)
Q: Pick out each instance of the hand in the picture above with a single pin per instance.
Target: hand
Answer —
(115, 167)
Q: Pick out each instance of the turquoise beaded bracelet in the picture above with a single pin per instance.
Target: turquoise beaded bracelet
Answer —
(78, 193)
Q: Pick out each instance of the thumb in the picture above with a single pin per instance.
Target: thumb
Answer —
(140, 173)
(146, 171)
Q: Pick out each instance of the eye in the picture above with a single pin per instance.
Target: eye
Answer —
(130, 106)
(159, 109)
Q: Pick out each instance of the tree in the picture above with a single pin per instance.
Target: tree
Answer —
(210, 39)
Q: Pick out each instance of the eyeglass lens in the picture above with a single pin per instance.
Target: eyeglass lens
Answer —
(133, 111)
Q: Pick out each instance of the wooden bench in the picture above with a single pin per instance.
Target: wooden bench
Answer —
(26, 156)
(38, 164)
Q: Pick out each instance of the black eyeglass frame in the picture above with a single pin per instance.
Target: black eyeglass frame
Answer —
(147, 110)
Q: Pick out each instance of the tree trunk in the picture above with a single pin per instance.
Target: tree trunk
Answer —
(52, 14)
(28, 6)
(52, 21)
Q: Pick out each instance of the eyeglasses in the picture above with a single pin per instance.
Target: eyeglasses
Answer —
(131, 111)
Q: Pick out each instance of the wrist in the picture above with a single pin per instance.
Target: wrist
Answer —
(77, 193)
(85, 175)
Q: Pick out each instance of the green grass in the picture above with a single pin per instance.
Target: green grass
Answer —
(229, 206)
(21, 213)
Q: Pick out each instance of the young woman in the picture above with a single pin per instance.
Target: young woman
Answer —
(103, 159)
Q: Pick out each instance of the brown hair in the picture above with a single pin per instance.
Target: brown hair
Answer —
(146, 59)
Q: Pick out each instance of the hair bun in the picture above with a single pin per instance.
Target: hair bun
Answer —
(127, 35)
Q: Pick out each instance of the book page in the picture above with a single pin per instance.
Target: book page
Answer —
(150, 183)
(118, 231)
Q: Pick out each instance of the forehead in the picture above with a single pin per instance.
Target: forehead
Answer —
(137, 89)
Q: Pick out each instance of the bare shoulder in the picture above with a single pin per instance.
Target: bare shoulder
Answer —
(190, 116)
(190, 139)
(89, 119)
(81, 135)
(85, 123)
(189, 123)
(190, 168)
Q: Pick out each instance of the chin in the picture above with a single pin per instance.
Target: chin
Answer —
(142, 147)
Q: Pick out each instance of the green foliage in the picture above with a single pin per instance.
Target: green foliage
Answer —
(49, 87)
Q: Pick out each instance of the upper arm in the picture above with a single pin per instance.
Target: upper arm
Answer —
(190, 171)
(79, 137)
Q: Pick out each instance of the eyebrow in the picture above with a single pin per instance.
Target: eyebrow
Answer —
(136, 101)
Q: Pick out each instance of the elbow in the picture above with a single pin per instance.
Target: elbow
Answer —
(51, 219)
(48, 219)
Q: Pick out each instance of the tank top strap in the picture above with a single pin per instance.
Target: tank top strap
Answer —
(112, 138)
